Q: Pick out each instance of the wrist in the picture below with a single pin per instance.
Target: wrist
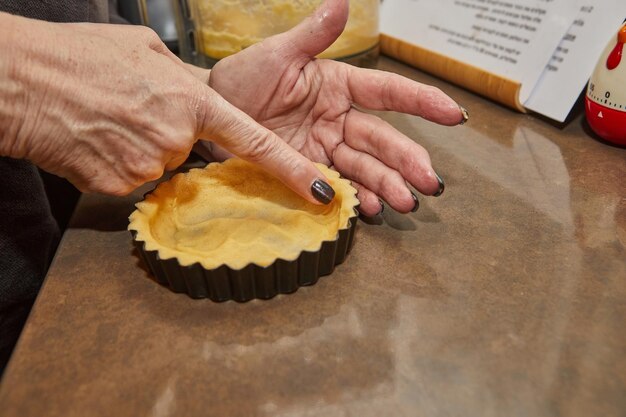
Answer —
(12, 93)
(27, 60)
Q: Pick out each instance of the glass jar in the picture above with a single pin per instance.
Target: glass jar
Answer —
(213, 29)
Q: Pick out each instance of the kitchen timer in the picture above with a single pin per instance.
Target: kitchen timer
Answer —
(605, 101)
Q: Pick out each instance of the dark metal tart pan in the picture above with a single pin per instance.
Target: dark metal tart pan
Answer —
(252, 281)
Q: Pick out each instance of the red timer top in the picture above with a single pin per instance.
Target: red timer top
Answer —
(616, 54)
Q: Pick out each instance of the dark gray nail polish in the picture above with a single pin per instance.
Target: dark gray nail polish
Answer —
(417, 203)
(322, 191)
(442, 185)
(382, 207)
(465, 115)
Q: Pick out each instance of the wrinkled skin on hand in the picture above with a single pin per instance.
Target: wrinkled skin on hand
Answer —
(109, 108)
(313, 104)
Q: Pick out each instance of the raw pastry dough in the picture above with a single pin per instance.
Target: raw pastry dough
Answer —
(234, 213)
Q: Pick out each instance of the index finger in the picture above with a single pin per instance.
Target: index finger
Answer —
(223, 123)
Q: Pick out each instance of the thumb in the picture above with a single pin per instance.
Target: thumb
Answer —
(231, 128)
(317, 32)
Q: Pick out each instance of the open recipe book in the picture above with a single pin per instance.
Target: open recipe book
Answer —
(527, 54)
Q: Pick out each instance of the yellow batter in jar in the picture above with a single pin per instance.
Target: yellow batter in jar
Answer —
(227, 26)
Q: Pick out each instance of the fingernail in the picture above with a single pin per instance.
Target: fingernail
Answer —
(382, 207)
(442, 185)
(322, 191)
(465, 115)
(417, 203)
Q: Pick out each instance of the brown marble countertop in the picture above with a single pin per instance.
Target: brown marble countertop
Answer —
(506, 296)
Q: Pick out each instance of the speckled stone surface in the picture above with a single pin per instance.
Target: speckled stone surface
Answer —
(506, 296)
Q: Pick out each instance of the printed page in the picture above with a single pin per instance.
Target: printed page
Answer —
(511, 38)
(574, 60)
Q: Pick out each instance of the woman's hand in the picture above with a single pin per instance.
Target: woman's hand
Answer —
(109, 108)
(310, 103)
